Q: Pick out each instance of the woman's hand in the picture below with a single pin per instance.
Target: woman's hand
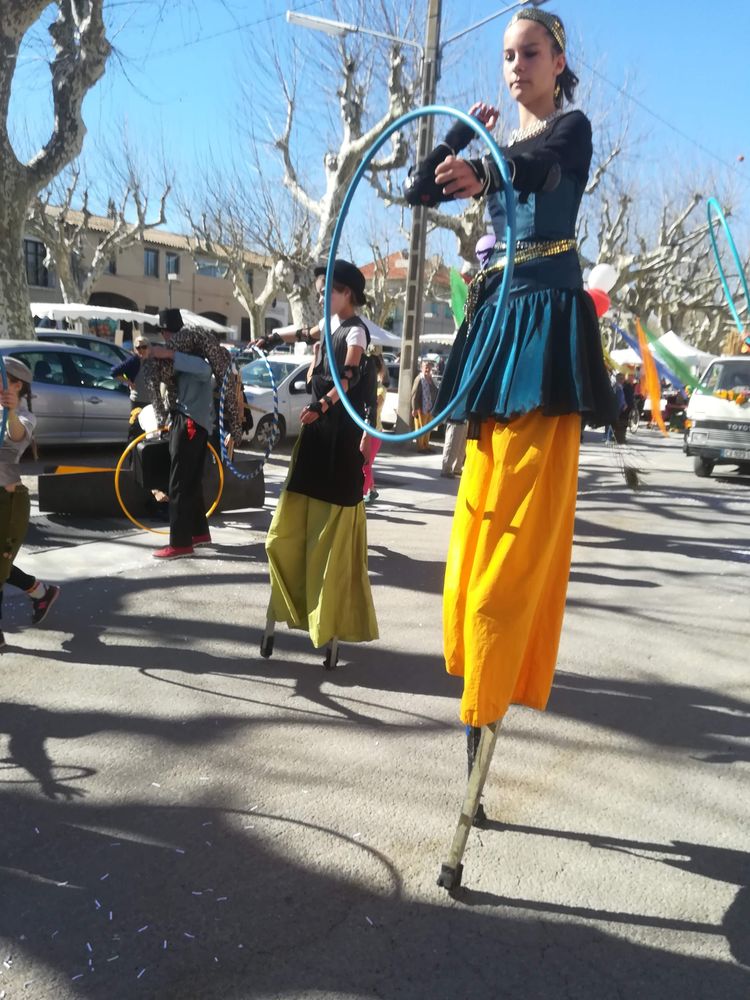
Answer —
(9, 398)
(308, 416)
(486, 114)
(456, 177)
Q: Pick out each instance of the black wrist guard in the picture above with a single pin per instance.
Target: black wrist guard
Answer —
(316, 407)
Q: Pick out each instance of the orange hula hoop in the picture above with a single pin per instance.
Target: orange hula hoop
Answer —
(118, 494)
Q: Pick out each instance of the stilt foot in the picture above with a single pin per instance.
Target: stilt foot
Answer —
(450, 878)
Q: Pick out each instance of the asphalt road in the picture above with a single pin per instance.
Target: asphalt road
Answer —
(182, 819)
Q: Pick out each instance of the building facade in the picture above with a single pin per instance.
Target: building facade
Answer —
(165, 269)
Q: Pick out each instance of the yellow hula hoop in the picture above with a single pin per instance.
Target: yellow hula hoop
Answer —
(126, 512)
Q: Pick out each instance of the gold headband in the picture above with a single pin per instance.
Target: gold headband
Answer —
(551, 23)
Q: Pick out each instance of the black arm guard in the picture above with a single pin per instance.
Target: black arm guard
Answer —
(530, 174)
(351, 373)
(420, 187)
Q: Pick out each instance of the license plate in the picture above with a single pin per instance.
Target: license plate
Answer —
(735, 453)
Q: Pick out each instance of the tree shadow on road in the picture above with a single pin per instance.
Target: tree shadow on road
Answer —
(199, 902)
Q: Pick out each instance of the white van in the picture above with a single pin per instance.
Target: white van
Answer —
(718, 428)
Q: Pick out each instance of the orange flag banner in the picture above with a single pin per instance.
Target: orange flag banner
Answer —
(650, 379)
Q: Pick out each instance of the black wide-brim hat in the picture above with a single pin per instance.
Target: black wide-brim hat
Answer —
(347, 274)
(171, 320)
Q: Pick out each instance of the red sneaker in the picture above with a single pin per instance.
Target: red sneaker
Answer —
(173, 552)
(201, 540)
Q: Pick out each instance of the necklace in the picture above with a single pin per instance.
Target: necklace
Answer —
(521, 134)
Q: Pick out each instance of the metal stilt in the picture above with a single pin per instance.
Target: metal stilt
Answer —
(266, 643)
(332, 654)
(452, 869)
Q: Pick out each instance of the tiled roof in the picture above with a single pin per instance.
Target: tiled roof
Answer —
(157, 237)
(398, 266)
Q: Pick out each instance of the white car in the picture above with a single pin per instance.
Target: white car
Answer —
(289, 375)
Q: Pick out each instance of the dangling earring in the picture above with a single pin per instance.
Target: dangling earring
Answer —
(557, 92)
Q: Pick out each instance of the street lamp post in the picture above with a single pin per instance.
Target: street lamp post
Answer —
(431, 54)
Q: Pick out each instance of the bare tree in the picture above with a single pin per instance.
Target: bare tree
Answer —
(78, 250)
(80, 55)
(666, 269)
(282, 203)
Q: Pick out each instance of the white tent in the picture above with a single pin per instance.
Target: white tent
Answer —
(439, 339)
(625, 356)
(378, 336)
(680, 348)
(78, 310)
(73, 311)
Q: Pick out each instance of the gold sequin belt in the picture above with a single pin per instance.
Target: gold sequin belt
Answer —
(526, 250)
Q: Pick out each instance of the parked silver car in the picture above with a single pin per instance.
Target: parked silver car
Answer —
(86, 342)
(73, 395)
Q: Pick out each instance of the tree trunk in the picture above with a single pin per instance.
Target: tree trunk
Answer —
(15, 317)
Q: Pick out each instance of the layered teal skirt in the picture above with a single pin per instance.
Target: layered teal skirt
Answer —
(548, 356)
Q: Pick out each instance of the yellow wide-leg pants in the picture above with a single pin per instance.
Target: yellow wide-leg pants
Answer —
(508, 563)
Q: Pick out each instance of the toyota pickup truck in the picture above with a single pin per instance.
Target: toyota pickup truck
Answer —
(718, 417)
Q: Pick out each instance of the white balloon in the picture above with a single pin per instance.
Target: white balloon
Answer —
(603, 277)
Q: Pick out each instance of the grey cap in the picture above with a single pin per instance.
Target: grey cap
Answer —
(18, 369)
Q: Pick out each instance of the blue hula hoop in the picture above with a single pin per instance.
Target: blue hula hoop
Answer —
(493, 334)
(713, 207)
(224, 454)
(4, 379)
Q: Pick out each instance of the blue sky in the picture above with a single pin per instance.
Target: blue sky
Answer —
(176, 83)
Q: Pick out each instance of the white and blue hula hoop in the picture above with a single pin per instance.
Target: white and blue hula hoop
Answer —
(471, 376)
(4, 379)
(224, 454)
(714, 208)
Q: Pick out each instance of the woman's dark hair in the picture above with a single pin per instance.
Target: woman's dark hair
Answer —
(567, 81)
(25, 393)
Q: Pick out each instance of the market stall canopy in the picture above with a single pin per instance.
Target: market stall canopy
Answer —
(681, 349)
(378, 336)
(78, 310)
(439, 339)
(625, 356)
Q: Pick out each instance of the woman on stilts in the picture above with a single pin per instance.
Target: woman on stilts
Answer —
(317, 542)
(510, 549)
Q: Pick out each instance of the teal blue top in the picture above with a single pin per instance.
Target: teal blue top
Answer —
(549, 354)
(194, 394)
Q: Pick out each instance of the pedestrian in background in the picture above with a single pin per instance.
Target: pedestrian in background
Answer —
(131, 370)
(423, 396)
(454, 447)
(371, 445)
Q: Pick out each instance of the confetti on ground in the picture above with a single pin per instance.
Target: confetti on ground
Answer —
(79, 976)
(106, 875)
(207, 824)
(54, 934)
(209, 844)
(88, 947)
(191, 936)
(26, 985)
(369, 922)
(97, 904)
(36, 829)
(113, 959)
(221, 899)
(179, 850)
(116, 843)
(140, 974)
(156, 784)
(110, 914)
(164, 945)
(142, 929)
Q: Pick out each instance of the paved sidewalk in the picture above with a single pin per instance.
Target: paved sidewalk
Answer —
(184, 820)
